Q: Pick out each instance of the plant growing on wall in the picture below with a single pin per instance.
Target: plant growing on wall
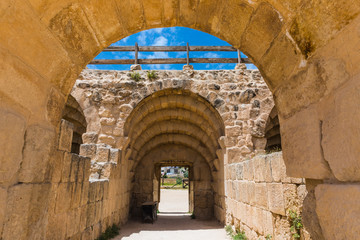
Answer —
(296, 224)
(268, 237)
(152, 75)
(228, 229)
(237, 235)
(109, 233)
(135, 76)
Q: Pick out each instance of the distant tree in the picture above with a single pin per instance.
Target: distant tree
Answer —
(186, 173)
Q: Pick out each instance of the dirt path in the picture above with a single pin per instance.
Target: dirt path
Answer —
(174, 201)
(170, 226)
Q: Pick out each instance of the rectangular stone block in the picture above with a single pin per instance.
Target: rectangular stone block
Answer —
(340, 130)
(66, 167)
(261, 195)
(337, 207)
(234, 155)
(276, 198)
(74, 168)
(63, 197)
(102, 154)
(262, 169)
(56, 227)
(92, 191)
(251, 192)
(39, 142)
(85, 193)
(243, 194)
(17, 208)
(72, 223)
(300, 136)
(239, 170)
(11, 124)
(87, 166)
(267, 222)
(249, 170)
(66, 135)
(115, 155)
(3, 197)
(55, 166)
(278, 168)
(76, 195)
(88, 150)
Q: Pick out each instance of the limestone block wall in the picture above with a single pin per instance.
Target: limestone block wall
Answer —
(260, 195)
(81, 206)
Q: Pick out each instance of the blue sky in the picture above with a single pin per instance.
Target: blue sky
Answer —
(174, 36)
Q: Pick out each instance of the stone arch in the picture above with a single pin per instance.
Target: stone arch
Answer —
(297, 43)
(164, 120)
(74, 114)
(157, 134)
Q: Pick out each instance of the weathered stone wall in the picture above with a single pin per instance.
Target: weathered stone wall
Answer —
(256, 195)
(79, 208)
(260, 196)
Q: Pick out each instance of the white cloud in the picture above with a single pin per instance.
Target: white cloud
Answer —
(180, 55)
(158, 30)
(125, 39)
(159, 55)
(211, 55)
(142, 38)
(160, 66)
(122, 55)
(160, 41)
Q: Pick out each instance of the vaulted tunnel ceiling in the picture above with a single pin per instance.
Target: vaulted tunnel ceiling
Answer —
(177, 119)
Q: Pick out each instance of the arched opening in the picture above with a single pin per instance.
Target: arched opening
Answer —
(74, 114)
(272, 132)
(175, 127)
(292, 44)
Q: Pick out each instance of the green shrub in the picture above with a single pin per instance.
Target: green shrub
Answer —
(296, 224)
(192, 216)
(239, 236)
(186, 174)
(109, 233)
(268, 237)
(228, 229)
(135, 76)
(178, 180)
(152, 75)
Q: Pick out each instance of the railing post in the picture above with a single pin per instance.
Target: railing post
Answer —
(187, 54)
(136, 53)
(239, 56)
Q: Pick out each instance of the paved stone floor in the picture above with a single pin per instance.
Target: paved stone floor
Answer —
(174, 223)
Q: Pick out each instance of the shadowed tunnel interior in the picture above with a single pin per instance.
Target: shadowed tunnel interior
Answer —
(175, 127)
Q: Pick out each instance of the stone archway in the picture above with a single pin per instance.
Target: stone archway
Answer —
(306, 52)
(176, 127)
